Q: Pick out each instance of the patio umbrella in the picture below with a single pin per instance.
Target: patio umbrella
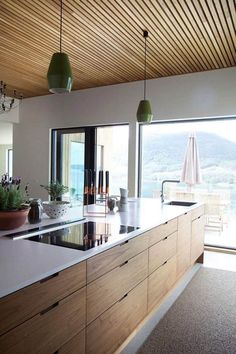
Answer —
(191, 173)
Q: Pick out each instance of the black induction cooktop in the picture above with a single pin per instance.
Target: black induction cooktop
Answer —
(82, 236)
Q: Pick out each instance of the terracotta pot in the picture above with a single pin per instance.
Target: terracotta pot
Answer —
(12, 219)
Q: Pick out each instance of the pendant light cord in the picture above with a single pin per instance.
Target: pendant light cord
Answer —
(61, 27)
(145, 71)
(145, 35)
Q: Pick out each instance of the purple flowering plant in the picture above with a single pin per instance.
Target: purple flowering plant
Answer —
(12, 195)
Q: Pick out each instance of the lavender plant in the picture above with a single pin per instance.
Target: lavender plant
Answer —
(12, 195)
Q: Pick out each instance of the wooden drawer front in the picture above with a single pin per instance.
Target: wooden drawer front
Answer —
(197, 244)
(184, 231)
(108, 332)
(75, 346)
(197, 212)
(160, 282)
(184, 259)
(162, 251)
(48, 331)
(106, 290)
(160, 232)
(108, 260)
(25, 303)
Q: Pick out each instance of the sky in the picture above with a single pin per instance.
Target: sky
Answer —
(223, 128)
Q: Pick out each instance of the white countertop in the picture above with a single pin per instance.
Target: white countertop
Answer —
(23, 262)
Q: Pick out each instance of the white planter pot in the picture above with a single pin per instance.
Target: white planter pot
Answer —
(56, 209)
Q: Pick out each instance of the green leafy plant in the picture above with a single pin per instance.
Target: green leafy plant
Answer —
(12, 195)
(55, 189)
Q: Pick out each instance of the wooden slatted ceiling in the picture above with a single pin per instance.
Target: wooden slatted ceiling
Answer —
(103, 39)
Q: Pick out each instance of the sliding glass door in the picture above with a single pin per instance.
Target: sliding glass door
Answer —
(68, 163)
(93, 148)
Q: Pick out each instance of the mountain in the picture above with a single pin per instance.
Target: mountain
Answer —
(168, 150)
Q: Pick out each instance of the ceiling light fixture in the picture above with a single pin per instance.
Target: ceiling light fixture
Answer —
(144, 112)
(59, 72)
(7, 103)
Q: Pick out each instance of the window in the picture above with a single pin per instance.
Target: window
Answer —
(162, 152)
(94, 148)
(9, 161)
(112, 155)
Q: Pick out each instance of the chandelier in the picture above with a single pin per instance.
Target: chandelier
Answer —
(7, 103)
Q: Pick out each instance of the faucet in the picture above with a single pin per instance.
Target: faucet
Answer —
(162, 186)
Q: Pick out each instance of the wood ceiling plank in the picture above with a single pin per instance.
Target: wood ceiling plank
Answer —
(192, 31)
(211, 28)
(174, 27)
(204, 37)
(222, 28)
(100, 53)
(118, 43)
(128, 29)
(86, 57)
(228, 32)
(144, 23)
(229, 20)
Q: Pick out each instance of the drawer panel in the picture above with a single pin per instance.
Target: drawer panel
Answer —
(197, 245)
(160, 282)
(106, 290)
(109, 331)
(184, 259)
(75, 346)
(112, 258)
(197, 212)
(25, 303)
(160, 232)
(48, 330)
(184, 231)
(162, 251)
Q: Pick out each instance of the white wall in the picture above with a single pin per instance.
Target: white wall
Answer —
(11, 116)
(205, 94)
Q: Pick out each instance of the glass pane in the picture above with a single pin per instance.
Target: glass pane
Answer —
(73, 166)
(164, 146)
(9, 162)
(112, 155)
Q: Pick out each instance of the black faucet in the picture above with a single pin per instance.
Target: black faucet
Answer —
(162, 186)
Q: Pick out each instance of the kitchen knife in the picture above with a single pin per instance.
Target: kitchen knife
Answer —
(86, 181)
(107, 182)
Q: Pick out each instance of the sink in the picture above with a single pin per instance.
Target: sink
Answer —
(180, 203)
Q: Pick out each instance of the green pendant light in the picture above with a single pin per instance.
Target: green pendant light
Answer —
(144, 112)
(59, 72)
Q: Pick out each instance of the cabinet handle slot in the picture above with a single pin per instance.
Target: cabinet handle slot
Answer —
(123, 297)
(166, 223)
(56, 352)
(50, 277)
(124, 263)
(165, 238)
(123, 243)
(199, 217)
(49, 308)
(164, 263)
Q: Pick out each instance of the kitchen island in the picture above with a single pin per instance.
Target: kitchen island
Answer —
(95, 298)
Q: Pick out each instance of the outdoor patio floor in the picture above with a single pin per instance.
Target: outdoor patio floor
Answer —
(225, 238)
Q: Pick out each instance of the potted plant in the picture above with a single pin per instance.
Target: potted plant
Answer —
(55, 208)
(13, 203)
